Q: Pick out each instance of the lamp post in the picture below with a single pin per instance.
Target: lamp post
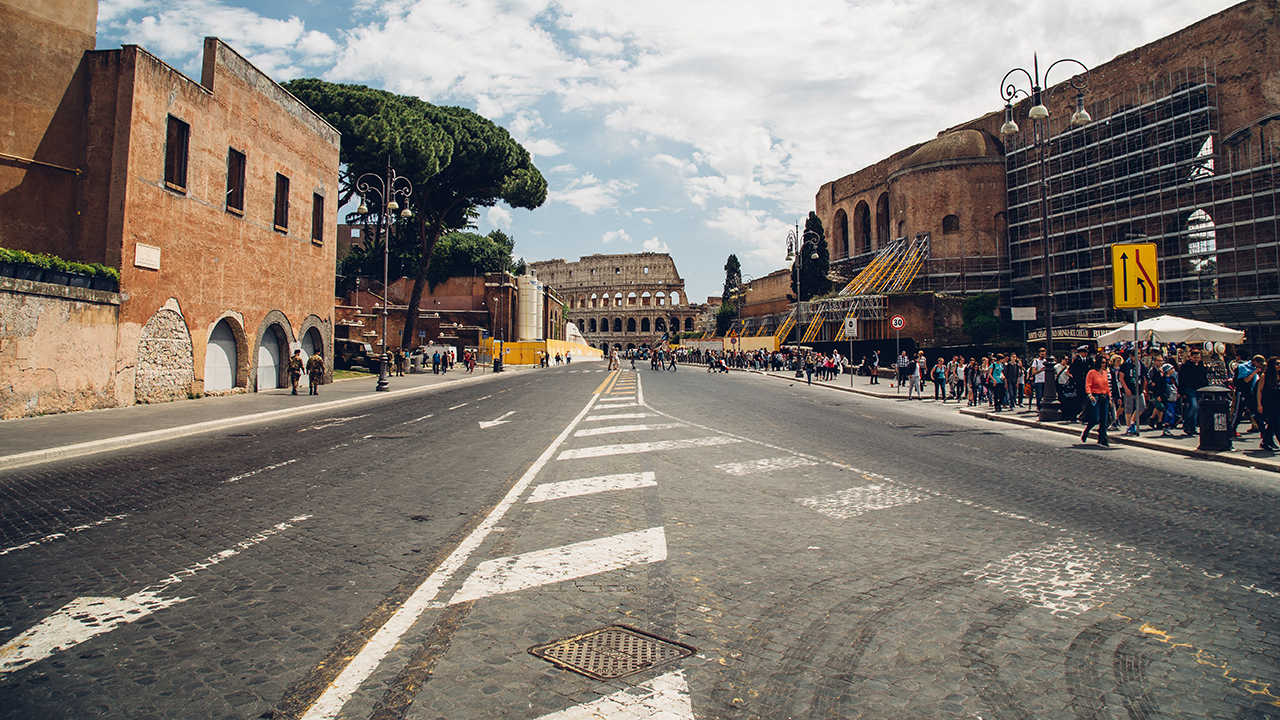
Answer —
(1050, 408)
(384, 189)
(795, 255)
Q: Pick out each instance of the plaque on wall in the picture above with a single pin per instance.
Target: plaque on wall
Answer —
(146, 256)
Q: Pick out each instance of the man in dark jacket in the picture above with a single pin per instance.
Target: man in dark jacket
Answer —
(1191, 377)
(1079, 369)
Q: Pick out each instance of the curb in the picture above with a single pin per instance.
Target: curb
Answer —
(854, 390)
(1219, 456)
(91, 447)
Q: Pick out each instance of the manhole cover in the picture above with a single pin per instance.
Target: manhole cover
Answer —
(611, 652)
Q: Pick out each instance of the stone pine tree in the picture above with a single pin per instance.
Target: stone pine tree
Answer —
(812, 272)
(731, 296)
(457, 161)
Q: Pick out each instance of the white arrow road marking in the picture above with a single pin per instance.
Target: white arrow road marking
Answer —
(86, 617)
(251, 473)
(620, 416)
(665, 697)
(332, 422)
(587, 486)
(500, 420)
(612, 429)
(544, 567)
(765, 465)
(60, 535)
(655, 446)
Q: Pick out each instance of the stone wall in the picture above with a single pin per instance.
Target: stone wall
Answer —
(57, 349)
(164, 370)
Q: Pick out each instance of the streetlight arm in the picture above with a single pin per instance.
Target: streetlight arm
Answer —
(1077, 81)
(1010, 91)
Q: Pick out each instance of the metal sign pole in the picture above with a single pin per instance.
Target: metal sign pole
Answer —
(897, 353)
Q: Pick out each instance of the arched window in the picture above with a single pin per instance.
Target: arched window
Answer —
(950, 224)
(617, 300)
(840, 235)
(582, 301)
(604, 324)
(882, 219)
(617, 323)
(674, 325)
(592, 323)
(645, 298)
(595, 300)
(688, 324)
(862, 226)
(631, 325)
(659, 325)
(644, 325)
(675, 298)
(631, 298)
(662, 298)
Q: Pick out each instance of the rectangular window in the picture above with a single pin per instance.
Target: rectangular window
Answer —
(235, 181)
(282, 203)
(317, 218)
(177, 135)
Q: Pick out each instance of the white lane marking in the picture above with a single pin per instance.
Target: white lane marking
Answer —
(751, 467)
(251, 473)
(330, 703)
(855, 501)
(86, 617)
(455, 407)
(544, 567)
(590, 485)
(665, 697)
(500, 420)
(332, 422)
(612, 429)
(608, 405)
(1063, 577)
(428, 416)
(618, 416)
(655, 446)
(51, 537)
(485, 397)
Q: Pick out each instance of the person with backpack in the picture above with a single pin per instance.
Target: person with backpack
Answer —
(1169, 398)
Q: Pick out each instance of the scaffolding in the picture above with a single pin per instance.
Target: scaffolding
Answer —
(1152, 168)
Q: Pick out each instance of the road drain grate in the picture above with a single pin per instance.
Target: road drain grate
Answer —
(611, 652)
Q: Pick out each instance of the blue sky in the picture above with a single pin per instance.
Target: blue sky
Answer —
(690, 127)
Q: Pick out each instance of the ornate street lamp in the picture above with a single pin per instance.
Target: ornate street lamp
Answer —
(1050, 409)
(385, 189)
(795, 256)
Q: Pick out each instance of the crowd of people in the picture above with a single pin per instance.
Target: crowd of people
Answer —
(1112, 389)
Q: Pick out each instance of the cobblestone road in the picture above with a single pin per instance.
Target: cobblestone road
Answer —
(824, 557)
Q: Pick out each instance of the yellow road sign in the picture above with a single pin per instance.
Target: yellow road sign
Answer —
(1136, 275)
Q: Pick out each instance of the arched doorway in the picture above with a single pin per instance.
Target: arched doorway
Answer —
(644, 325)
(273, 349)
(840, 235)
(882, 219)
(165, 367)
(311, 342)
(862, 227)
(631, 325)
(221, 357)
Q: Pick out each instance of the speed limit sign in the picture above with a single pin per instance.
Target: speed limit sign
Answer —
(897, 322)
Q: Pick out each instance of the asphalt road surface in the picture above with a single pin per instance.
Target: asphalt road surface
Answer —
(772, 551)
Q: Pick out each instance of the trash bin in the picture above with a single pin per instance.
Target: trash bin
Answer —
(497, 364)
(1215, 411)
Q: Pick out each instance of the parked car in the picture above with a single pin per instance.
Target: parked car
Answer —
(349, 353)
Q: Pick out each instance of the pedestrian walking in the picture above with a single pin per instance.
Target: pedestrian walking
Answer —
(939, 380)
(875, 367)
(1192, 376)
(1038, 366)
(315, 372)
(1268, 403)
(1098, 395)
(295, 370)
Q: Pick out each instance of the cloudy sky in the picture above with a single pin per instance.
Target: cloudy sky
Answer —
(695, 127)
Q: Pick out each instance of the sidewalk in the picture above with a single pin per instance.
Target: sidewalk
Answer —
(1245, 450)
(26, 441)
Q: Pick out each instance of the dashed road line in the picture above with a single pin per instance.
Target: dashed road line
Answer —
(52, 537)
(619, 416)
(251, 473)
(455, 407)
(428, 416)
(642, 447)
(751, 467)
(591, 485)
(614, 429)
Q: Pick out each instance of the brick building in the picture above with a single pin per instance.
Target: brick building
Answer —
(1183, 151)
(621, 301)
(215, 199)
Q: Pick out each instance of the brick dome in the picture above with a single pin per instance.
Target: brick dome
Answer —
(955, 147)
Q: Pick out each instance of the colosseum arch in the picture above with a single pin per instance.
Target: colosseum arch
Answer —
(617, 300)
(644, 325)
(631, 298)
(882, 219)
(862, 226)
(631, 324)
(595, 300)
(659, 325)
(604, 324)
(166, 366)
(840, 235)
(675, 298)
(617, 324)
(688, 324)
(661, 298)
(646, 299)
(592, 324)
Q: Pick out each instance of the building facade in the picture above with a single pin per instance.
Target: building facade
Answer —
(215, 199)
(1183, 151)
(622, 301)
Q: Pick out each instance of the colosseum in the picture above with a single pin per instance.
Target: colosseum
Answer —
(621, 301)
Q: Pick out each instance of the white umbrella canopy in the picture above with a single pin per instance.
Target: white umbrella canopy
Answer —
(1173, 329)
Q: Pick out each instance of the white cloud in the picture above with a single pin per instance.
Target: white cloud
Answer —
(619, 236)
(563, 168)
(683, 167)
(109, 10)
(589, 195)
(653, 244)
(761, 239)
(498, 217)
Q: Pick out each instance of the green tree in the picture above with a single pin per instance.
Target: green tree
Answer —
(980, 322)
(810, 271)
(460, 253)
(725, 316)
(457, 161)
(732, 279)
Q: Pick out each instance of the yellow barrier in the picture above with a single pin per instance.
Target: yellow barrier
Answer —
(530, 352)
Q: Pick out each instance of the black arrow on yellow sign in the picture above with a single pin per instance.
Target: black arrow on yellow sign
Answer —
(1124, 275)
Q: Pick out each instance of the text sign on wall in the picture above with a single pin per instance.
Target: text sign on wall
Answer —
(146, 256)
(1022, 313)
(1135, 275)
(851, 327)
